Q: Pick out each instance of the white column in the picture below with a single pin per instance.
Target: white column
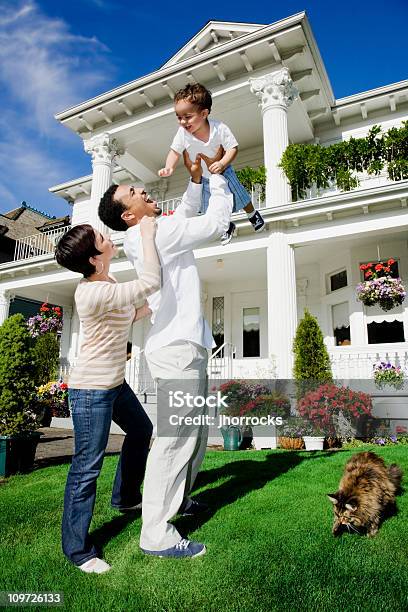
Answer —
(276, 93)
(282, 315)
(66, 332)
(103, 149)
(5, 299)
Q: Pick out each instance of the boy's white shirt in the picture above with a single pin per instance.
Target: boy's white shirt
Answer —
(176, 308)
(220, 134)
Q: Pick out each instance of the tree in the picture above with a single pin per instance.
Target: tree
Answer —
(17, 384)
(312, 362)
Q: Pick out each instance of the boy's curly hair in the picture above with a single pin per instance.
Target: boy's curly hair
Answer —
(110, 210)
(196, 94)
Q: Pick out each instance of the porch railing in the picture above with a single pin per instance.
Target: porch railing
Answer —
(220, 363)
(38, 244)
(348, 363)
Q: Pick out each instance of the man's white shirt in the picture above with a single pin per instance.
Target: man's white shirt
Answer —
(220, 134)
(176, 308)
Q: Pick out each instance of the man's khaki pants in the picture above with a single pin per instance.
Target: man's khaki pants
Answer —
(173, 462)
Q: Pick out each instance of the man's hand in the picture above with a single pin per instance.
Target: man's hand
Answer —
(143, 311)
(194, 167)
(214, 164)
(165, 172)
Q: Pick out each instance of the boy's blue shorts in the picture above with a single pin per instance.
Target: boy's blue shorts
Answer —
(241, 196)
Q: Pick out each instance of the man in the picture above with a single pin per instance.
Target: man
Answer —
(177, 345)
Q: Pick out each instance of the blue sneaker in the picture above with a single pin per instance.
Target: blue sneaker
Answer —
(193, 508)
(182, 550)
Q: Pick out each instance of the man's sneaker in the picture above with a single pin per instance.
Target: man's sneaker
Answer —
(227, 236)
(126, 509)
(257, 221)
(193, 508)
(182, 550)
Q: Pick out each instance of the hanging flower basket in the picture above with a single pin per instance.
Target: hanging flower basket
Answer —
(48, 320)
(379, 287)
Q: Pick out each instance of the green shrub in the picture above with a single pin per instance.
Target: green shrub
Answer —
(46, 358)
(312, 362)
(17, 384)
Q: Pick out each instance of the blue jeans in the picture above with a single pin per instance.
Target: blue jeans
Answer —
(92, 413)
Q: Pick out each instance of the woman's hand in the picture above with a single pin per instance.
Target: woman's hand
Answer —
(143, 311)
(148, 227)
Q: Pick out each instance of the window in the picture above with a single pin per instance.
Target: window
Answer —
(385, 332)
(341, 324)
(251, 332)
(218, 322)
(338, 280)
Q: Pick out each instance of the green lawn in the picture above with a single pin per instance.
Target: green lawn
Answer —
(268, 538)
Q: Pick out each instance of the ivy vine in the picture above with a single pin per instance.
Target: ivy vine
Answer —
(337, 164)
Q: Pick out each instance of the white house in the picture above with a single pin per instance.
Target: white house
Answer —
(270, 86)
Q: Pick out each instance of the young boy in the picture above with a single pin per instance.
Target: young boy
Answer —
(199, 135)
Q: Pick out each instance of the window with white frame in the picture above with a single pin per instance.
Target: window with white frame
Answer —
(341, 324)
(384, 327)
(251, 324)
(336, 280)
(218, 321)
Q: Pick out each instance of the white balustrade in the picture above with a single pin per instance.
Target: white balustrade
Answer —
(358, 364)
(38, 244)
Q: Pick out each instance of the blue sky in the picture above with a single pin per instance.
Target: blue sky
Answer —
(55, 53)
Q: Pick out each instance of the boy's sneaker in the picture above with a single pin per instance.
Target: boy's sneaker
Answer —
(182, 550)
(193, 508)
(227, 236)
(257, 221)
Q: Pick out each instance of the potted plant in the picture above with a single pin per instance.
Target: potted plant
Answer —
(273, 404)
(379, 287)
(337, 411)
(52, 401)
(238, 393)
(387, 374)
(18, 418)
(313, 436)
(290, 434)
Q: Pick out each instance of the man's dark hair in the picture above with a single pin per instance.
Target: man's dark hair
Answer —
(76, 247)
(196, 94)
(110, 210)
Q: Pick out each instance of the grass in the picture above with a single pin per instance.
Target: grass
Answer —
(268, 538)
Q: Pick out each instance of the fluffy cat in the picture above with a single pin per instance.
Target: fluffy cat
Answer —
(367, 489)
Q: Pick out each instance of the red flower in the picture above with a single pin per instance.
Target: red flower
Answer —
(390, 261)
(368, 274)
(363, 267)
(378, 267)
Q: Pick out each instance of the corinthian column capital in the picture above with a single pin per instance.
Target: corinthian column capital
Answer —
(103, 148)
(275, 89)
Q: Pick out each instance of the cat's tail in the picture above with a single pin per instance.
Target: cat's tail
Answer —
(395, 474)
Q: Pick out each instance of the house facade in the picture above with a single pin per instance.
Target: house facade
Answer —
(269, 84)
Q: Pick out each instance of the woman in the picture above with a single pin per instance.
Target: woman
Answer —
(97, 390)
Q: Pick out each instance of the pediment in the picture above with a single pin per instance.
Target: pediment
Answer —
(213, 34)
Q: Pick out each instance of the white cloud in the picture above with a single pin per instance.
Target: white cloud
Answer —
(45, 67)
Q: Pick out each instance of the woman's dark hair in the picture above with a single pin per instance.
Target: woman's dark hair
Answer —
(110, 210)
(76, 247)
